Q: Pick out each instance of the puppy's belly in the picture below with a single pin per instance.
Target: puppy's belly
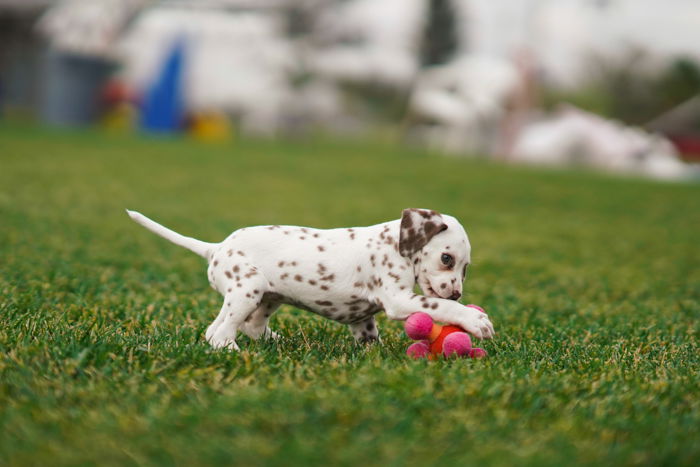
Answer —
(344, 311)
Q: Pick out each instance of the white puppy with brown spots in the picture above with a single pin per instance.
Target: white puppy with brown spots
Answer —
(345, 274)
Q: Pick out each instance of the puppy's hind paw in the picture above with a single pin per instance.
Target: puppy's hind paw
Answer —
(225, 343)
(211, 330)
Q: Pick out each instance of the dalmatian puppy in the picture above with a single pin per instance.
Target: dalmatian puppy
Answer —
(345, 274)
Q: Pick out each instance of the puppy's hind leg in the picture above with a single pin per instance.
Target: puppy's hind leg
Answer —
(237, 306)
(365, 331)
(255, 325)
(211, 329)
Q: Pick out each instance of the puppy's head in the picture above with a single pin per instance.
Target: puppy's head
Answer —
(439, 249)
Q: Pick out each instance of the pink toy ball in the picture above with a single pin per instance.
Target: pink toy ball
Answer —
(457, 344)
(418, 350)
(418, 326)
(476, 352)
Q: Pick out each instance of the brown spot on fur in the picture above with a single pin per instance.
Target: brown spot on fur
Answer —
(228, 274)
(298, 278)
(434, 306)
(329, 278)
(323, 302)
(216, 263)
(284, 276)
(320, 248)
(312, 282)
(443, 285)
(324, 287)
(357, 284)
(280, 264)
(229, 252)
(240, 253)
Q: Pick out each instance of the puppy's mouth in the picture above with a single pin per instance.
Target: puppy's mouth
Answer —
(430, 292)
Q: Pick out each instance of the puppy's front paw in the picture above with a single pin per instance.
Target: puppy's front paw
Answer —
(477, 322)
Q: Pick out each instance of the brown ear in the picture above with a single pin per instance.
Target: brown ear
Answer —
(418, 226)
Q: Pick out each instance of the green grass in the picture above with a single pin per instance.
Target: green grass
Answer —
(592, 282)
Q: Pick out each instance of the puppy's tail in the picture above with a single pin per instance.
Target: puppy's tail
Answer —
(194, 245)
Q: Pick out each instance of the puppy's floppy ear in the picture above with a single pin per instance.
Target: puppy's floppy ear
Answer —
(418, 226)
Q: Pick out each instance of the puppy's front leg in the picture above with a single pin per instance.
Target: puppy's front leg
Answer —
(400, 307)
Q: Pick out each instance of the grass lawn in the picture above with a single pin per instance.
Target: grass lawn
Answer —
(592, 282)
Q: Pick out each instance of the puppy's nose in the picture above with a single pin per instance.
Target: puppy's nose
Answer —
(455, 295)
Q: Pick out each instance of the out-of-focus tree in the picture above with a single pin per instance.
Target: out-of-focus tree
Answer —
(440, 40)
(634, 89)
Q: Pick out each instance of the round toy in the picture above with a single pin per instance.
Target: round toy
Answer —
(437, 340)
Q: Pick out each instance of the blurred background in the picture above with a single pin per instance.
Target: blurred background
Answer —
(608, 84)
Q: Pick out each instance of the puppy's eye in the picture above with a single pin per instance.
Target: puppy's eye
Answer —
(447, 260)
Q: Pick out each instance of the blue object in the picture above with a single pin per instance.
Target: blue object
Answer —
(163, 104)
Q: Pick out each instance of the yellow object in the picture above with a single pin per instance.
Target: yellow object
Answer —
(211, 126)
